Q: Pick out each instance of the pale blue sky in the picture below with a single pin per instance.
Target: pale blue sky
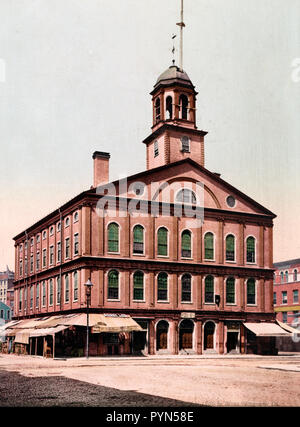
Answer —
(78, 76)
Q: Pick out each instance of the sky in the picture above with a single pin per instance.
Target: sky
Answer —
(76, 77)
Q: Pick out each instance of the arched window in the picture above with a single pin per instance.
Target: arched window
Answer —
(169, 107)
(113, 237)
(185, 144)
(186, 244)
(138, 285)
(287, 276)
(183, 100)
(113, 285)
(251, 297)
(157, 110)
(186, 196)
(209, 289)
(230, 243)
(162, 241)
(186, 288)
(295, 275)
(250, 244)
(162, 287)
(138, 239)
(281, 276)
(209, 246)
(230, 290)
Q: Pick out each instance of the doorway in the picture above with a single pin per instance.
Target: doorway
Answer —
(232, 341)
(209, 332)
(186, 329)
(162, 335)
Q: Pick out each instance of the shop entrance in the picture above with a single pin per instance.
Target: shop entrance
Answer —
(232, 341)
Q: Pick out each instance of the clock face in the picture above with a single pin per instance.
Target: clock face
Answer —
(230, 201)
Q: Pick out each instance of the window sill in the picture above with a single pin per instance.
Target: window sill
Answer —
(187, 258)
(134, 254)
(138, 300)
(163, 302)
(210, 260)
(113, 300)
(186, 302)
(113, 253)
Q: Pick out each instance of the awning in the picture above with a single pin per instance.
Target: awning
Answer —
(42, 332)
(22, 337)
(265, 329)
(288, 328)
(116, 323)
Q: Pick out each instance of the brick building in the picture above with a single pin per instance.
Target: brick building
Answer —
(180, 260)
(286, 290)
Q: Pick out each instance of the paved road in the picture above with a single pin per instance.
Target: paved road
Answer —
(151, 381)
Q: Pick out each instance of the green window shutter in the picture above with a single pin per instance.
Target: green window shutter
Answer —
(209, 289)
(113, 284)
(230, 248)
(162, 239)
(138, 285)
(186, 244)
(250, 291)
(138, 234)
(250, 249)
(209, 246)
(230, 290)
(138, 239)
(162, 287)
(113, 237)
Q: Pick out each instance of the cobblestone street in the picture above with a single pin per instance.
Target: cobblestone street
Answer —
(151, 381)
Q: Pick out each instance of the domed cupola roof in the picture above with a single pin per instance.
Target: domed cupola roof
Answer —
(173, 75)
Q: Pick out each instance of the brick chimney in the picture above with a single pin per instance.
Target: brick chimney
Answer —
(101, 168)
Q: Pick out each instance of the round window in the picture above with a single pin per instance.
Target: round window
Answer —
(230, 201)
(139, 188)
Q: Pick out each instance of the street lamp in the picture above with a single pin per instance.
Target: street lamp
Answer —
(88, 290)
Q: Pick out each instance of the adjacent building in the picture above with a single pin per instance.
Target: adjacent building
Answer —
(180, 260)
(7, 288)
(287, 290)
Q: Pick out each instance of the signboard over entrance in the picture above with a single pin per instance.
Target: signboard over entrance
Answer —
(187, 315)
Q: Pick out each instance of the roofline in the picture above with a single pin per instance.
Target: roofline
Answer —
(93, 190)
(289, 262)
(168, 126)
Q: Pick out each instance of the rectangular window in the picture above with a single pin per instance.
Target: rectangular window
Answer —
(67, 288)
(58, 252)
(76, 244)
(31, 296)
(37, 297)
(67, 248)
(284, 317)
(31, 263)
(51, 292)
(44, 294)
(156, 152)
(21, 268)
(58, 290)
(37, 261)
(295, 296)
(274, 298)
(284, 297)
(75, 286)
(44, 257)
(51, 259)
(20, 299)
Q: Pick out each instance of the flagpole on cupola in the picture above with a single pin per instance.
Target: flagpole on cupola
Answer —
(181, 25)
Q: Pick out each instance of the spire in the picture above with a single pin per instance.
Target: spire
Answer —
(181, 25)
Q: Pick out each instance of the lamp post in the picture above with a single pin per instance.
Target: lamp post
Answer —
(88, 290)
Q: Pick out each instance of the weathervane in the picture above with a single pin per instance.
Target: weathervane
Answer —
(173, 49)
(181, 25)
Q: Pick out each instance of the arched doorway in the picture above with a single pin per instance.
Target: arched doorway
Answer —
(209, 331)
(162, 335)
(186, 329)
